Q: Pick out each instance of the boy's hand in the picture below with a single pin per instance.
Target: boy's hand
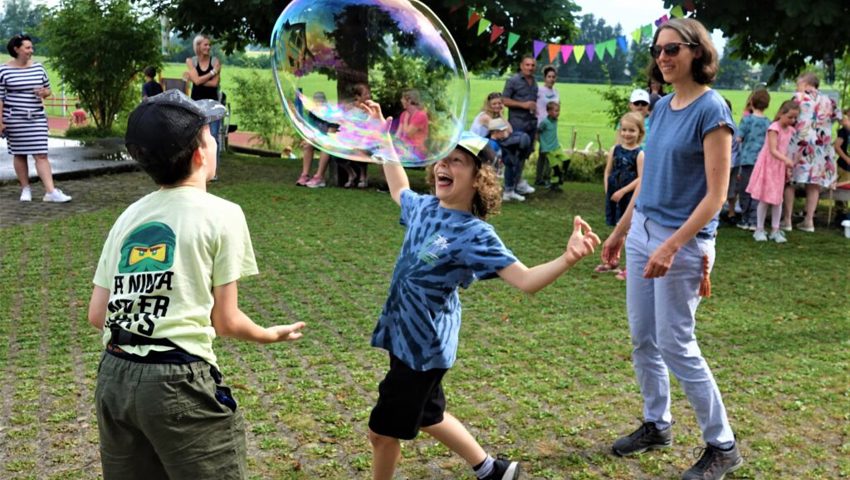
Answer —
(582, 242)
(286, 333)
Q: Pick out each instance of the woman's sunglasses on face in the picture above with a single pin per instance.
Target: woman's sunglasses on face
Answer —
(671, 49)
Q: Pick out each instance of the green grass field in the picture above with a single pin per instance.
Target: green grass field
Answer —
(582, 108)
(546, 379)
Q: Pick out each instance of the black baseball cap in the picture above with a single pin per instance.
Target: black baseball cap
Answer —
(164, 124)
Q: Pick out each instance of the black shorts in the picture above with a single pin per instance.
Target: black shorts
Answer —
(407, 400)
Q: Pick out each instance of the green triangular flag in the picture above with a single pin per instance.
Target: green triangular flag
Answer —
(600, 50)
(611, 47)
(677, 12)
(636, 35)
(647, 30)
(483, 25)
(512, 39)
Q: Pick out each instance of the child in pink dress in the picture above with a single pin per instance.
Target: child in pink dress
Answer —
(772, 168)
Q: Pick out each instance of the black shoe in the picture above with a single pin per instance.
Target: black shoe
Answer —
(714, 463)
(646, 437)
(504, 469)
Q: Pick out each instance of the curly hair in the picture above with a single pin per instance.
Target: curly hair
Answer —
(488, 192)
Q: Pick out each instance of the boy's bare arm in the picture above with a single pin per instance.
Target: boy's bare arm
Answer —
(393, 171)
(97, 307)
(229, 321)
(530, 280)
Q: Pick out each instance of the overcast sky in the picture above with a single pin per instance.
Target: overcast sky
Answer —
(632, 14)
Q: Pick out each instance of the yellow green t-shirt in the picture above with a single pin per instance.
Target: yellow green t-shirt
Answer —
(162, 259)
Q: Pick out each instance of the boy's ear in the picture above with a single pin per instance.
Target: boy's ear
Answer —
(198, 158)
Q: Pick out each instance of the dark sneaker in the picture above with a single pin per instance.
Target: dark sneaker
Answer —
(646, 437)
(504, 469)
(714, 464)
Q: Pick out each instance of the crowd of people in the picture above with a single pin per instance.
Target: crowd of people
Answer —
(666, 180)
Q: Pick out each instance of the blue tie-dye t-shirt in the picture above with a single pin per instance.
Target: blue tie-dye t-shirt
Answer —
(442, 250)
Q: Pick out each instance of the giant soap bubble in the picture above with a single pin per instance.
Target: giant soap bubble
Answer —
(331, 55)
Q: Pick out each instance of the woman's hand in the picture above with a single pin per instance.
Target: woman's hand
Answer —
(660, 261)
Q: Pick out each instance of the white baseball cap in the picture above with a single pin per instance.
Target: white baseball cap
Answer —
(639, 95)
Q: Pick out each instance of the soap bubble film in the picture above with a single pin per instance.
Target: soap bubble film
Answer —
(331, 55)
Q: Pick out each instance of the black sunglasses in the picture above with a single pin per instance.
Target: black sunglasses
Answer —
(671, 49)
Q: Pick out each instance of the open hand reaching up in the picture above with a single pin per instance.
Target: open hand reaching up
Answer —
(582, 242)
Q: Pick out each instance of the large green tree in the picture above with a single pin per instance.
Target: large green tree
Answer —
(20, 16)
(237, 23)
(98, 47)
(787, 34)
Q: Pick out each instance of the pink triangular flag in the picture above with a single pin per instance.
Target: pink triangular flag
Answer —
(538, 47)
(496, 32)
(456, 7)
(566, 51)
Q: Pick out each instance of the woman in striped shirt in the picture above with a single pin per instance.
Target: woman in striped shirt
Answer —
(23, 86)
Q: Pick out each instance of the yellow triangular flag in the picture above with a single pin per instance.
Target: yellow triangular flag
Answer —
(677, 12)
(636, 35)
(483, 25)
(578, 51)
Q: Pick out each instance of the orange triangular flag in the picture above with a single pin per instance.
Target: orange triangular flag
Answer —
(554, 50)
(473, 19)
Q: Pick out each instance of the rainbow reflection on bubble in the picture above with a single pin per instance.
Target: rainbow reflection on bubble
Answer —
(330, 55)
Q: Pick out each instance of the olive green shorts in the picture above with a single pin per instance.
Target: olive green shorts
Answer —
(160, 420)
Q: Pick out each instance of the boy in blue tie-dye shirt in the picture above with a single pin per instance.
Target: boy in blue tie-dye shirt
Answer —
(447, 245)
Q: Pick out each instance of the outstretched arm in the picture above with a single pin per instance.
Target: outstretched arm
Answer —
(396, 176)
(229, 321)
(530, 280)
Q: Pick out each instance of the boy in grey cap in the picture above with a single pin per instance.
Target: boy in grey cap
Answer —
(165, 286)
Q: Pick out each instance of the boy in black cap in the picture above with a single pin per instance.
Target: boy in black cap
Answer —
(165, 286)
(447, 244)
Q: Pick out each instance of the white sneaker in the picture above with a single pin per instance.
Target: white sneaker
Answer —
(26, 194)
(524, 188)
(760, 236)
(56, 196)
(512, 195)
(778, 236)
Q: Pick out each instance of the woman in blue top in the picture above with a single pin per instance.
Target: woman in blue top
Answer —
(673, 218)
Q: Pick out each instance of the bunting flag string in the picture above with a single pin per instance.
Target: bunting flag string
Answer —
(597, 50)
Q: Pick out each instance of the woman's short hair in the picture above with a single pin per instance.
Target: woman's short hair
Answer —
(196, 43)
(16, 42)
(549, 68)
(704, 66)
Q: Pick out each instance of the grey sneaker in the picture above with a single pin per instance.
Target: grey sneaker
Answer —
(714, 463)
(646, 437)
(504, 469)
